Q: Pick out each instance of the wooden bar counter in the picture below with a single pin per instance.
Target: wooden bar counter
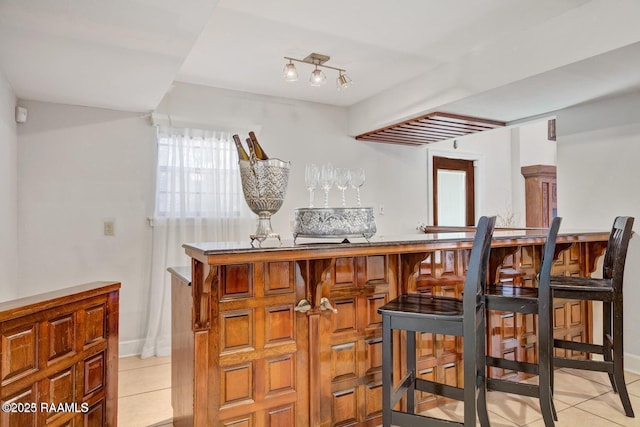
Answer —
(290, 335)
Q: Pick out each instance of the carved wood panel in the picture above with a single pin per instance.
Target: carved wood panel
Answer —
(439, 357)
(571, 317)
(54, 356)
(350, 341)
(260, 353)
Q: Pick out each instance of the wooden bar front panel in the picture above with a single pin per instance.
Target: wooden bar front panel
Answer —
(254, 360)
(257, 357)
(59, 358)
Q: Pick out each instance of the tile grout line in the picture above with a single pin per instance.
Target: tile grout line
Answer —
(144, 392)
(143, 367)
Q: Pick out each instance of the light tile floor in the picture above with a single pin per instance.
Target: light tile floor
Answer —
(582, 399)
(144, 392)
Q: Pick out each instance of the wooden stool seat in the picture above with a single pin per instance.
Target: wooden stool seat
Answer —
(511, 290)
(411, 305)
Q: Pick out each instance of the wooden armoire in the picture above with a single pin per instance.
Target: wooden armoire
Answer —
(540, 194)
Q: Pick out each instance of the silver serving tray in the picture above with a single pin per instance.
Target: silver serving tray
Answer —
(334, 223)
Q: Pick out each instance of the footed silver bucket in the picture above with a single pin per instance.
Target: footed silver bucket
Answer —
(264, 184)
(334, 222)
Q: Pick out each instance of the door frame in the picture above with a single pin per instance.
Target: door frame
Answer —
(479, 162)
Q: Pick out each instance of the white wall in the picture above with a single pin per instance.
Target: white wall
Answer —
(535, 148)
(8, 194)
(598, 176)
(77, 167)
(530, 147)
(302, 133)
(80, 166)
(492, 150)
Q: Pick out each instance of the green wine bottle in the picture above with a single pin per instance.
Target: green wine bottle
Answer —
(257, 148)
(242, 154)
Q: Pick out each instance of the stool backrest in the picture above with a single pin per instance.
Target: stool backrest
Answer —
(616, 254)
(546, 262)
(476, 278)
(548, 252)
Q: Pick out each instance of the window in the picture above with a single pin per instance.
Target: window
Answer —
(197, 175)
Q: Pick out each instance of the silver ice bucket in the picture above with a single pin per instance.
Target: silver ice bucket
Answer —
(264, 184)
(334, 222)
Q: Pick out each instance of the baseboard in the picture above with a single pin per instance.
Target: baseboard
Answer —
(632, 363)
(130, 348)
(135, 348)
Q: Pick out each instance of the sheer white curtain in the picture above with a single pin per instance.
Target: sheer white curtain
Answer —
(198, 199)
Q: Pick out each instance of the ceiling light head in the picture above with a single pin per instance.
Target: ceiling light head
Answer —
(317, 77)
(343, 81)
(290, 72)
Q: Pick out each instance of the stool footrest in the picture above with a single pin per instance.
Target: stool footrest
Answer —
(526, 367)
(588, 365)
(583, 347)
(440, 389)
(404, 419)
(506, 386)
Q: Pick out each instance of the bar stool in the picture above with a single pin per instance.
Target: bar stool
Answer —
(609, 291)
(518, 299)
(440, 315)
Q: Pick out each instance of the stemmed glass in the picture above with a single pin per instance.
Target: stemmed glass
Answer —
(342, 178)
(326, 181)
(357, 181)
(311, 179)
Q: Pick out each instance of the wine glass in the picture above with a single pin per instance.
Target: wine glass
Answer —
(342, 178)
(357, 181)
(311, 179)
(326, 181)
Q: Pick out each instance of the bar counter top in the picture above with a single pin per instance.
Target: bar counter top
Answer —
(306, 247)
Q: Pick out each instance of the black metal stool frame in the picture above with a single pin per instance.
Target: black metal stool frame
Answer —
(517, 299)
(609, 291)
(441, 315)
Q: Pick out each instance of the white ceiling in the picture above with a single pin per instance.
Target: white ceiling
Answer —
(499, 59)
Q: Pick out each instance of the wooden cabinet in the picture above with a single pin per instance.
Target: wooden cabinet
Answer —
(246, 352)
(540, 194)
(59, 358)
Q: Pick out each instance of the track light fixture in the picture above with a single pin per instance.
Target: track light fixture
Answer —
(318, 78)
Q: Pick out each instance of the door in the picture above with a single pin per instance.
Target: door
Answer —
(453, 192)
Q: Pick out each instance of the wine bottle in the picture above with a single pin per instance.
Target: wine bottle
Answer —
(252, 152)
(260, 154)
(242, 154)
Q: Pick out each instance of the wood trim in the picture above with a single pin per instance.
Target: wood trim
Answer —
(432, 127)
(535, 171)
(466, 166)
